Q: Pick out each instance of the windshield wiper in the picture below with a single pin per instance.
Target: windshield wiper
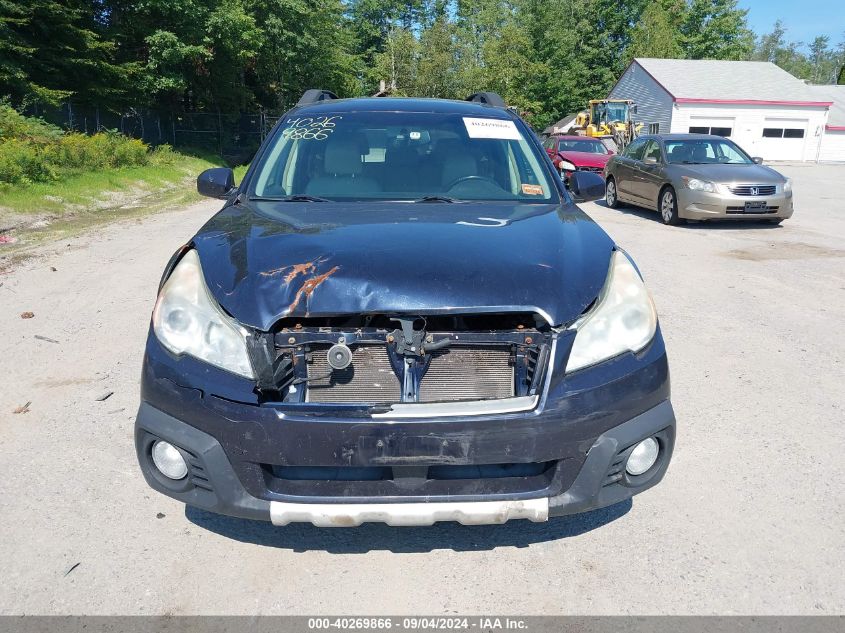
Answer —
(298, 197)
(437, 199)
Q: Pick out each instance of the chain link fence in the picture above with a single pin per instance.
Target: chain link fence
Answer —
(233, 136)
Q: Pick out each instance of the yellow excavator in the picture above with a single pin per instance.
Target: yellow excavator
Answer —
(609, 119)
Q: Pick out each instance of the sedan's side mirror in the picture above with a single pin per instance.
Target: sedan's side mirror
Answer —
(586, 186)
(650, 160)
(216, 182)
(757, 160)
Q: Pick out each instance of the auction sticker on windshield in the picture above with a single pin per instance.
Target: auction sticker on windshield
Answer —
(491, 128)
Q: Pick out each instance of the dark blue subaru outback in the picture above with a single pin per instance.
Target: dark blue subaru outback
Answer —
(400, 315)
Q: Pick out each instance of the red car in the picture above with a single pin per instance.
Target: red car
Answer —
(581, 153)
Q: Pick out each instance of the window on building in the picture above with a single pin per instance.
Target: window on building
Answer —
(772, 132)
(793, 133)
(654, 128)
(718, 131)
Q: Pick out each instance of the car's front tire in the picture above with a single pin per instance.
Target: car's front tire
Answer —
(611, 197)
(668, 207)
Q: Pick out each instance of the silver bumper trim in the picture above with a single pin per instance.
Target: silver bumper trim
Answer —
(406, 514)
(468, 407)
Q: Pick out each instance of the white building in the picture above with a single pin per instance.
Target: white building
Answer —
(833, 140)
(760, 106)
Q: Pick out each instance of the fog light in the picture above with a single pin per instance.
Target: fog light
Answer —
(642, 457)
(169, 460)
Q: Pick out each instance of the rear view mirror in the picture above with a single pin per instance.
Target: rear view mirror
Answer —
(757, 160)
(216, 182)
(586, 186)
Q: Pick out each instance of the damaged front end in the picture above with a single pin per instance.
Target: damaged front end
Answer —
(385, 362)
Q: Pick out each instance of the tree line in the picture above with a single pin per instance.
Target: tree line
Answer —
(546, 57)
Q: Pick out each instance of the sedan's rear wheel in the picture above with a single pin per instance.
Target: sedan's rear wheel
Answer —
(610, 196)
(668, 206)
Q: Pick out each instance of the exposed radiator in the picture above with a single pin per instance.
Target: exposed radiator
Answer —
(468, 373)
(456, 373)
(369, 379)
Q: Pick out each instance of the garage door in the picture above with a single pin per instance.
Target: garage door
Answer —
(782, 139)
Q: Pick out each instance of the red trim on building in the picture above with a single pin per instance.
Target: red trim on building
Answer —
(835, 128)
(758, 102)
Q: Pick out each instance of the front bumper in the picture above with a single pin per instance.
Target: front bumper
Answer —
(268, 461)
(701, 205)
(214, 485)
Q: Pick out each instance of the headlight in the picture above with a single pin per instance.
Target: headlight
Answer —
(623, 319)
(787, 186)
(700, 185)
(565, 164)
(187, 320)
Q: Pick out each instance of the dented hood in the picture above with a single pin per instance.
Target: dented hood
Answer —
(266, 260)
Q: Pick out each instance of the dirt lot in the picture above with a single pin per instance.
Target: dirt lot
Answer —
(749, 519)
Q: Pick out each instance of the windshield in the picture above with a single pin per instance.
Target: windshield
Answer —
(581, 145)
(706, 151)
(402, 156)
(607, 112)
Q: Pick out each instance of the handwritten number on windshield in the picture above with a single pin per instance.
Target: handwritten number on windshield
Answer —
(310, 128)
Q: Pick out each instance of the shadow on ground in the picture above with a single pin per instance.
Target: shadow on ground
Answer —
(719, 225)
(375, 536)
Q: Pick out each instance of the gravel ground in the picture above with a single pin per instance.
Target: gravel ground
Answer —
(748, 520)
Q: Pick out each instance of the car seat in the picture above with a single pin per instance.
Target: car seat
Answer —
(342, 168)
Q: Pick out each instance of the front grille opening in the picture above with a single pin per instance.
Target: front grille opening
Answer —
(753, 190)
(429, 473)
(331, 473)
(742, 211)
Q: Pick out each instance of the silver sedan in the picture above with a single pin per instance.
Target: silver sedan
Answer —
(696, 177)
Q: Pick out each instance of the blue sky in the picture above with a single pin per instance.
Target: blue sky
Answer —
(803, 20)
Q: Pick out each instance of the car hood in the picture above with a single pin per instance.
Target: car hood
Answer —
(586, 159)
(750, 174)
(263, 260)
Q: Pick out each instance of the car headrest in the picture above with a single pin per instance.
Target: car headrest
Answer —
(699, 152)
(679, 153)
(343, 157)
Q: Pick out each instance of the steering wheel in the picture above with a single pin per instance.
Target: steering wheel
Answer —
(458, 181)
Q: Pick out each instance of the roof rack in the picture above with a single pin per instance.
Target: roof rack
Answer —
(487, 98)
(315, 95)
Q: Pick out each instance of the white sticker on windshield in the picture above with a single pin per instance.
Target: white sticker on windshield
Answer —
(492, 128)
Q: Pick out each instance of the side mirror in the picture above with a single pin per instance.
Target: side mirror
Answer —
(650, 160)
(216, 182)
(586, 186)
(757, 160)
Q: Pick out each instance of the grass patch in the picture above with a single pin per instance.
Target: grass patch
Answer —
(55, 183)
(43, 212)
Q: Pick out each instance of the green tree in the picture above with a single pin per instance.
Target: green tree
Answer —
(656, 34)
(716, 29)
(51, 51)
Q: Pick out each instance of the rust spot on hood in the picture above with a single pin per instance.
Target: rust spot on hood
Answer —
(299, 269)
(295, 270)
(309, 286)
